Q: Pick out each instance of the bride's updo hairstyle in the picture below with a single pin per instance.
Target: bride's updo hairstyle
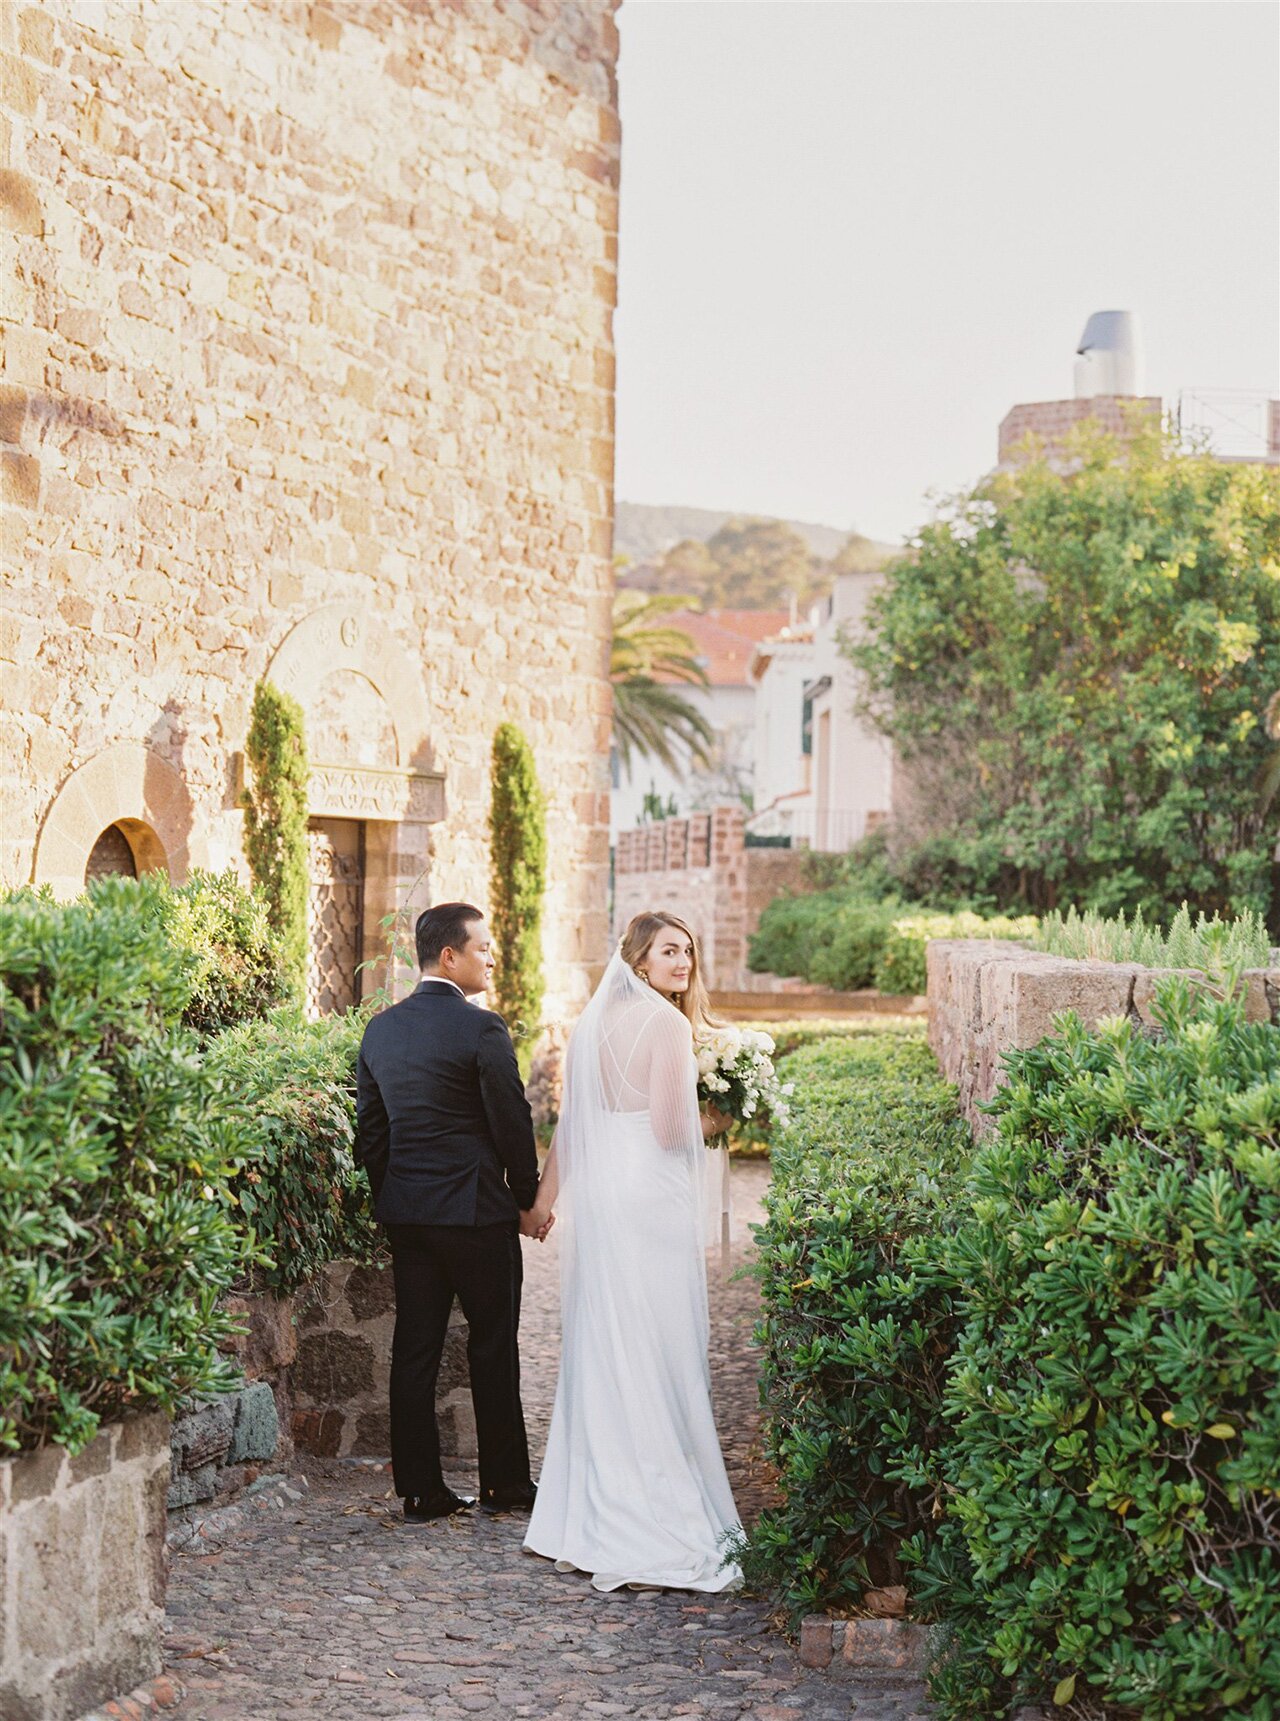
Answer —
(637, 941)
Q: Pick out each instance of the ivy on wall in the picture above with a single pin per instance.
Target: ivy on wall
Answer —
(518, 875)
(275, 821)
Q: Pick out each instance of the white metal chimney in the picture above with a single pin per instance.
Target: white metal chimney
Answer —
(1109, 357)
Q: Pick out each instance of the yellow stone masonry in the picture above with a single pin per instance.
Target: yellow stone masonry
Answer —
(306, 334)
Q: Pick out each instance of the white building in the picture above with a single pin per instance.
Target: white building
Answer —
(824, 777)
(723, 642)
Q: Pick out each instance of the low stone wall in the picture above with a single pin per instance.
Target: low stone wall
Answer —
(987, 997)
(218, 1448)
(341, 1379)
(82, 1570)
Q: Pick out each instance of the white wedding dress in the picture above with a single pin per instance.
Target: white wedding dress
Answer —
(633, 1486)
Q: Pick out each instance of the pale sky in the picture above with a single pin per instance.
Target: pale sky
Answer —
(855, 232)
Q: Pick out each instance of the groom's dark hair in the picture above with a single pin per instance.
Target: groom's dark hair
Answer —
(446, 926)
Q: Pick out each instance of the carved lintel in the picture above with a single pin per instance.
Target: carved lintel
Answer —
(358, 792)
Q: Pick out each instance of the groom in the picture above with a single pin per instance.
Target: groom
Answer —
(445, 1134)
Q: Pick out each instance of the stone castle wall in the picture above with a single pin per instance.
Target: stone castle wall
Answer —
(305, 323)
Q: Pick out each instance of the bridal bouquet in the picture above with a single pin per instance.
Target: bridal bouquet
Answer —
(736, 1075)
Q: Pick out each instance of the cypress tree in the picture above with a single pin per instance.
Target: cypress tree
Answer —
(275, 820)
(518, 875)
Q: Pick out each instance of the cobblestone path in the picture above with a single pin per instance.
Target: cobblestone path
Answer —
(338, 1608)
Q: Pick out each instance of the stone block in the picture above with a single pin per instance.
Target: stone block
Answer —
(1146, 985)
(54, 1578)
(270, 1340)
(372, 1437)
(145, 1433)
(1046, 986)
(815, 1641)
(371, 1291)
(189, 1487)
(19, 479)
(333, 1366)
(94, 1460)
(256, 1431)
(20, 210)
(203, 1436)
(886, 1646)
(35, 1474)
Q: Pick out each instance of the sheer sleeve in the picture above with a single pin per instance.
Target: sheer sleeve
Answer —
(672, 1082)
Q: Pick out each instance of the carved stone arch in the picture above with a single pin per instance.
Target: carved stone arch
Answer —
(343, 636)
(128, 785)
(342, 642)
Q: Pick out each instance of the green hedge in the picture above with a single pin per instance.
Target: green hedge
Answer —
(1056, 1373)
(302, 1196)
(902, 967)
(847, 939)
(856, 1324)
(1114, 1534)
(831, 937)
(116, 1145)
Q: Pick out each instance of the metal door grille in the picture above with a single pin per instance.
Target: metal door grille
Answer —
(335, 853)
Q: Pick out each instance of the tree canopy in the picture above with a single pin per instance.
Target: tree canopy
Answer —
(1076, 666)
(651, 718)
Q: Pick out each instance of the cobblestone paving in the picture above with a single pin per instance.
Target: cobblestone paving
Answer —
(338, 1608)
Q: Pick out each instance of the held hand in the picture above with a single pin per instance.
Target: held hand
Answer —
(715, 1122)
(535, 1222)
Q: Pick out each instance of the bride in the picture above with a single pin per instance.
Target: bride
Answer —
(633, 1487)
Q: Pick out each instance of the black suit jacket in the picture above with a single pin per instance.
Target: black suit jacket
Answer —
(442, 1125)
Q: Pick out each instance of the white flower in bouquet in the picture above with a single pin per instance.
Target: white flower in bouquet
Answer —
(736, 1075)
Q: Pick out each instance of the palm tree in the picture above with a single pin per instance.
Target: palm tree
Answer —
(651, 720)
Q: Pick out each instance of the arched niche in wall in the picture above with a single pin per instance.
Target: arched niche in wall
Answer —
(127, 787)
(367, 717)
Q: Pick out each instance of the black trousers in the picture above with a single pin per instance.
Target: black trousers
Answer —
(482, 1267)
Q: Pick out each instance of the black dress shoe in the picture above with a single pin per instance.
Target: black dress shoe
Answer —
(422, 1507)
(508, 1499)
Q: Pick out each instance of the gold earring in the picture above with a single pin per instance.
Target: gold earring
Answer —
(643, 974)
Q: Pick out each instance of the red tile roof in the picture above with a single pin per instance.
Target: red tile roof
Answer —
(725, 639)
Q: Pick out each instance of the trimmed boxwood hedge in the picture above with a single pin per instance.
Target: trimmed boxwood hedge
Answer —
(856, 1325)
(1055, 1371)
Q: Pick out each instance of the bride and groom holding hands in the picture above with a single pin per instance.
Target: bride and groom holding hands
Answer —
(633, 1487)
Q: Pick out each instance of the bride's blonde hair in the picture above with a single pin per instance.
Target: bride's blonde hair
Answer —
(635, 945)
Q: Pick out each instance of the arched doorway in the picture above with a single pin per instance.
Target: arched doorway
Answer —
(125, 805)
(373, 793)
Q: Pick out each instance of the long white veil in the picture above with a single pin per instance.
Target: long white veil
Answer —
(630, 1061)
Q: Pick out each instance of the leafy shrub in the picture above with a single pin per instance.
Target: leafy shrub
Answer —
(303, 1197)
(1114, 1527)
(832, 937)
(1211, 945)
(857, 1316)
(901, 968)
(237, 961)
(115, 1144)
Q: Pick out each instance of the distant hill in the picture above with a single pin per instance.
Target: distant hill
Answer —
(642, 533)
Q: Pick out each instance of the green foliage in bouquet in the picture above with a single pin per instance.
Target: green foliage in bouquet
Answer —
(1113, 1466)
(517, 882)
(303, 1197)
(857, 1314)
(275, 822)
(115, 1146)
